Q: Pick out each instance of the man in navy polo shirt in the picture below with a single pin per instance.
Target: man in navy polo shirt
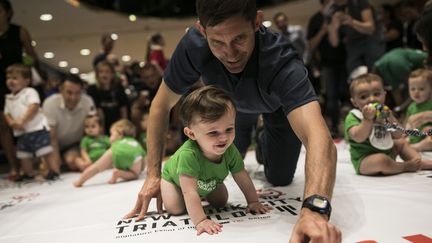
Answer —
(230, 48)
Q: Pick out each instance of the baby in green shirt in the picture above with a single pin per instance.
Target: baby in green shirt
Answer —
(94, 144)
(420, 90)
(373, 149)
(125, 155)
(198, 168)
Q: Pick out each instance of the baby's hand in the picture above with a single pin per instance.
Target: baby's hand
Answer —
(208, 226)
(257, 207)
(426, 129)
(77, 183)
(18, 125)
(416, 120)
(369, 112)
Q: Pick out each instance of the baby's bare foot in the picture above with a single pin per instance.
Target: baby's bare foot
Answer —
(412, 165)
(114, 176)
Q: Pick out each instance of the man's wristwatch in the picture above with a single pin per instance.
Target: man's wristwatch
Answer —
(318, 204)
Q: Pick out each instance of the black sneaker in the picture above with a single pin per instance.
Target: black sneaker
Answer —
(52, 176)
(25, 178)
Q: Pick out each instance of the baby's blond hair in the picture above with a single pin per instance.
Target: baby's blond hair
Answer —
(21, 69)
(424, 73)
(125, 127)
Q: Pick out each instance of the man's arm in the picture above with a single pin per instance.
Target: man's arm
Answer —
(333, 29)
(320, 172)
(321, 154)
(55, 145)
(317, 38)
(29, 50)
(365, 26)
(157, 129)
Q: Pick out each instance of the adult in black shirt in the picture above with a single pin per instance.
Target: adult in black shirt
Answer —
(424, 32)
(360, 33)
(229, 48)
(13, 40)
(393, 27)
(108, 95)
(332, 64)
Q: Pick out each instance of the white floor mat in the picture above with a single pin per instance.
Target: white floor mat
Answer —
(366, 209)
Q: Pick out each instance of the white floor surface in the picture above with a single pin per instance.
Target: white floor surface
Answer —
(366, 209)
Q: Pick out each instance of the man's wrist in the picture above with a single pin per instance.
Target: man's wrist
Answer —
(153, 169)
(307, 212)
(318, 204)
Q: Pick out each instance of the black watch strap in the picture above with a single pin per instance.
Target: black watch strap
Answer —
(318, 204)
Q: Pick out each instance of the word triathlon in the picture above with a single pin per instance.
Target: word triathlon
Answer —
(232, 213)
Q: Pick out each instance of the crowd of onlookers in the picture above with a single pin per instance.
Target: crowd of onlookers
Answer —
(67, 120)
(348, 38)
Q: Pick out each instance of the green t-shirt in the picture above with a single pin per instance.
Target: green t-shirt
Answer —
(360, 150)
(189, 160)
(413, 109)
(395, 66)
(95, 146)
(125, 151)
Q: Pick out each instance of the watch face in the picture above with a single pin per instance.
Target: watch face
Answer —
(320, 203)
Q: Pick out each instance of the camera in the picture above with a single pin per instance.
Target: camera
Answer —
(332, 9)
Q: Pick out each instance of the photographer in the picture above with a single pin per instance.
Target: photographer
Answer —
(358, 30)
(331, 61)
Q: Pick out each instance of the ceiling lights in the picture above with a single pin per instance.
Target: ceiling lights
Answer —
(49, 55)
(46, 17)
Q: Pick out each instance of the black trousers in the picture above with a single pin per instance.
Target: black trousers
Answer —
(278, 145)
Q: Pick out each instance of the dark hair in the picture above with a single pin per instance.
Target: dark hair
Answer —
(214, 12)
(22, 69)
(8, 8)
(423, 73)
(408, 4)
(279, 14)
(149, 66)
(364, 78)
(73, 79)
(209, 103)
(101, 64)
(389, 9)
(424, 30)
(154, 39)
(427, 7)
(106, 37)
(96, 117)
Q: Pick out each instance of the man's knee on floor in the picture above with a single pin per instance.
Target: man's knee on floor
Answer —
(280, 180)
